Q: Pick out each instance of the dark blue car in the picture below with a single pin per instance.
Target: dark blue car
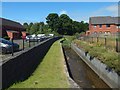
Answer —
(6, 46)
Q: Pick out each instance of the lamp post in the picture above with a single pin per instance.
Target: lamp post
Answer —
(11, 38)
(23, 38)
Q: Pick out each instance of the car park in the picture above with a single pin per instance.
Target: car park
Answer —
(6, 46)
(32, 38)
(35, 38)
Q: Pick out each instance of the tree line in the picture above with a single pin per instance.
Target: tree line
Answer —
(62, 25)
(36, 28)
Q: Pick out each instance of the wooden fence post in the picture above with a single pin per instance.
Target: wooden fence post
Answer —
(105, 42)
(97, 39)
(117, 45)
(92, 39)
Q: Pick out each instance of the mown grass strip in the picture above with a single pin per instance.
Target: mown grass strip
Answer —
(50, 73)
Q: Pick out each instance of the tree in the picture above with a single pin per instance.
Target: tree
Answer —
(53, 21)
(29, 27)
(25, 25)
(62, 24)
(41, 26)
(65, 25)
(34, 28)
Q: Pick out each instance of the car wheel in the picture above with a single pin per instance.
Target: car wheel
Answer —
(4, 50)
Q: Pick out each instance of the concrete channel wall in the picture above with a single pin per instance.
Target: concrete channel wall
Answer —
(109, 77)
(20, 67)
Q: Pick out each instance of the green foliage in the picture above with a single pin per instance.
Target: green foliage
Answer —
(67, 40)
(26, 26)
(34, 28)
(110, 58)
(41, 27)
(64, 25)
(53, 21)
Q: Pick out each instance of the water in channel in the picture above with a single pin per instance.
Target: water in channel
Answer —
(81, 73)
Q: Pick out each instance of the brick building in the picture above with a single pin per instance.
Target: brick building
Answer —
(103, 25)
(11, 28)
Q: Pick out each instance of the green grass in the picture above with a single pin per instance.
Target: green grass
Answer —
(67, 41)
(110, 41)
(107, 56)
(50, 73)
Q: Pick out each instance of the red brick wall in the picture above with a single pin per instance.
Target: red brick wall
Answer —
(13, 35)
(103, 29)
(9, 34)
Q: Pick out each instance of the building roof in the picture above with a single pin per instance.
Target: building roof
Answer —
(10, 23)
(105, 20)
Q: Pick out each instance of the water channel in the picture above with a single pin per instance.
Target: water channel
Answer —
(81, 73)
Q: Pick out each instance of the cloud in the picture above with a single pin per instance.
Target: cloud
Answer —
(63, 12)
(111, 10)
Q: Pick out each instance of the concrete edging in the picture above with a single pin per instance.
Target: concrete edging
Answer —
(111, 78)
(72, 83)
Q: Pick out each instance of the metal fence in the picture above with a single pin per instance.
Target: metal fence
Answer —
(23, 45)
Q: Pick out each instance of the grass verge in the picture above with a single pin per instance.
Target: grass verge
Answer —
(50, 73)
(109, 57)
(67, 41)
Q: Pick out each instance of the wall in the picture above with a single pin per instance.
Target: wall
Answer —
(22, 66)
(111, 78)
(103, 29)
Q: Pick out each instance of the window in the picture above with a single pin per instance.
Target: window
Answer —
(95, 32)
(107, 33)
(118, 26)
(100, 32)
(95, 26)
(100, 26)
(108, 25)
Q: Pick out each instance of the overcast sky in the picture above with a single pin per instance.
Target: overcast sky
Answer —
(38, 11)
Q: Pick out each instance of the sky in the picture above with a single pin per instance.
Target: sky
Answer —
(38, 11)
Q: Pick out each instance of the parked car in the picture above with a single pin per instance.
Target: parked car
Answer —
(6, 46)
(35, 38)
(32, 38)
